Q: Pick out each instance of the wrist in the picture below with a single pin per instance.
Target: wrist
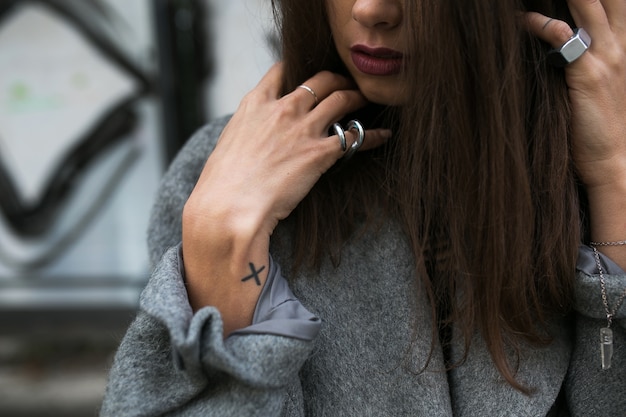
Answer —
(223, 237)
(607, 210)
(603, 175)
(607, 206)
(226, 262)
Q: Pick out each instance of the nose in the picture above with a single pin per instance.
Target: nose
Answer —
(380, 14)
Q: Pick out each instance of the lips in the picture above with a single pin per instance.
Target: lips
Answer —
(376, 61)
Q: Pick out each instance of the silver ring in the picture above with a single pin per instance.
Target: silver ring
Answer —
(571, 50)
(342, 136)
(310, 90)
(355, 125)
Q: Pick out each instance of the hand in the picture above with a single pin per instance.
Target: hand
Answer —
(269, 156)
(597, 91)
(597, 86)
(275, 149)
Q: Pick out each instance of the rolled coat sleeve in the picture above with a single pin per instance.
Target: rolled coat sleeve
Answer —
(175, 362)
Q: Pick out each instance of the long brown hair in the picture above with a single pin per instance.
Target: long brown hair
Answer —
(479, 171)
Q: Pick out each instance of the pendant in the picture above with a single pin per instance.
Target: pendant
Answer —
(606, 347)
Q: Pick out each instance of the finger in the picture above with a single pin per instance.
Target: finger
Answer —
(373, 139)
(590, 14)
(269, 85)
(335, 107)
(552, 31)
(317, 88)
(616, 13)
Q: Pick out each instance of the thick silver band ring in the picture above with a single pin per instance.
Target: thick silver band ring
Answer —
(355, 125)
(342, 136)
(310, 90)
(571, 50)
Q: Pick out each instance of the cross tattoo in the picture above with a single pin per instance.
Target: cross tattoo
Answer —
(254, 274)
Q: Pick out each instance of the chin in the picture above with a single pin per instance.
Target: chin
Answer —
(383, 93)
(385, 98)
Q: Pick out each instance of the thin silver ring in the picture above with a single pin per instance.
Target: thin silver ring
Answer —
(310, 90)
(355, 125)
(342, 136)
(571, 50)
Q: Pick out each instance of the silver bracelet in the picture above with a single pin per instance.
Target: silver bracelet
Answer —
(616, 243)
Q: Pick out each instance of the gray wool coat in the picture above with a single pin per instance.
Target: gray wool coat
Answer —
(373, 342)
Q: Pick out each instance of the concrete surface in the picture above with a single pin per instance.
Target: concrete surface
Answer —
(57, 367)
(55, 364)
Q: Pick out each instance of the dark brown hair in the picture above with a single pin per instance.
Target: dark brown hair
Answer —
(479, 171)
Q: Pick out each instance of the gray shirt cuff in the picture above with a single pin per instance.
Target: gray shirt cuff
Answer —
(588, 289)
(587, 263)
(279, 312)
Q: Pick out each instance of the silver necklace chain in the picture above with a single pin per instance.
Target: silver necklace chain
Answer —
(606, 334)
(605, 299)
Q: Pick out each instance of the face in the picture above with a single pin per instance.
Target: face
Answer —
(367, 35)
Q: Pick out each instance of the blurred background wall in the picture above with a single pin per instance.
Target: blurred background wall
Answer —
(96, 97)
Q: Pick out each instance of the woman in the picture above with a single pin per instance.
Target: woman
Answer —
(438, 270)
